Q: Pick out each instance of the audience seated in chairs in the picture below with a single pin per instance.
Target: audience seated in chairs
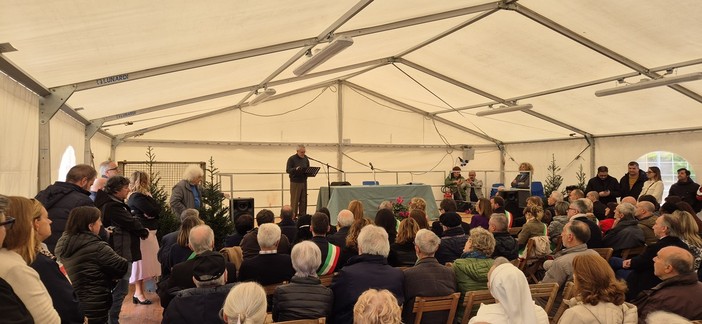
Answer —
(170, 240)
(376, 307)
(514, 303)
(181, 252)
(427, 269)
(242, 225)
(268, 267)
(645, 216)
(533, 226)
(351, 247)
(505, 245)
(690, 235)
(249, 244)
(472, 267)
(578, 210)
(245, 304)
(202, 303)
(344, 219)
(366, 270)
(386, 219)
(304, 297)
(559, 220)
(356, 207)
(626, 233)
(599, 296)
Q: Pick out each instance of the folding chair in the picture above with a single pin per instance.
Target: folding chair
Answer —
(475, 298)
(568, 293)
(632, 252)
(326, 279)
(531, 264)
(606, 253)
(545, 290)
(436, 304)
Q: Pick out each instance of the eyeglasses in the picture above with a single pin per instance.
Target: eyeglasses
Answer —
(8, 222)
(113, 169)
(649, 171)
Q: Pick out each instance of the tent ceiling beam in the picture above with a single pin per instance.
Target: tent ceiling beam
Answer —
(422, 112)
(215, 112)
(22, 77)
(334, 145)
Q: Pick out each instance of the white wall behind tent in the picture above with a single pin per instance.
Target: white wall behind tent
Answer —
(100, 145)
(65, 132)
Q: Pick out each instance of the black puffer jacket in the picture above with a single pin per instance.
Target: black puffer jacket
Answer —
(505, 246)
(93, 267)
(452, 242)
(145, 208)
(127, 228)
(302, 298)
(58, 199)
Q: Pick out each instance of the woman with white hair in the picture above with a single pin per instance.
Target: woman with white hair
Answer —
(513, 302)
(245, 304)
(304, 297)
(187, 193)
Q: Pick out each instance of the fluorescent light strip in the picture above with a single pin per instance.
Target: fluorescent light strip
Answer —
(645, 84)
(263, 96)
(502, 110)
(336, 46)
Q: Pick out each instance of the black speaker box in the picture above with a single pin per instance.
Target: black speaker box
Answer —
(340, 183)
(518, 196)
(239, 206)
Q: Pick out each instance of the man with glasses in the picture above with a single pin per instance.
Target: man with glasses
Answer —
(578, 211)
(61, 197)
(107, 169)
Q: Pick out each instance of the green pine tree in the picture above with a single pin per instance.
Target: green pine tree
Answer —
(582, 179)
(167, 221)
(212, 211)
(553, 179)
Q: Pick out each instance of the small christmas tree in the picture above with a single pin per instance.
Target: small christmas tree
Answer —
(212, 211)
(553, 179)
(580, 175)
(167, 221)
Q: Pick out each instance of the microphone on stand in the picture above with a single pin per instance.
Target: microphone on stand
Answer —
(371, 165)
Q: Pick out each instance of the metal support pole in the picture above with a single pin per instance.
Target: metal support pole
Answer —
(340, 127)
(48, 107)
(90, 131)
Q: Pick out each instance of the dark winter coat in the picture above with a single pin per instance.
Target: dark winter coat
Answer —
(452, 242)
(11, 307)
(642, 277)
(635, 190)
(427, 279)
(145, 208)
(402, 255)
(595, 240)
(267, 269)
(505, 246)
(609, 183)
(687, 191)
(196, 305)
(361, 273)
(182, 278)
(125, 238)
(93, 268)
(625, 235)
(679, 295)
(164, 253)
(58, 199)
(302, 298)
(63, 296)
(288, 228)
(339, 238)
(250, 248)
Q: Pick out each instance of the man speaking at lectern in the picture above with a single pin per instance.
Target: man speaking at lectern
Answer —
(297, 164)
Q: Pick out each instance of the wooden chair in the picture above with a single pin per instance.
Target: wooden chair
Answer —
(475, 298)
(568, 293)
(270, 289)
(321, 320)
(632, 252)
(514, 231)
(327, 279)
(547, 291)
(530, 264)
(606, 253)
(696, 322)
(435, 304)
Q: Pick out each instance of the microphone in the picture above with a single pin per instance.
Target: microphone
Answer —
(371, 165)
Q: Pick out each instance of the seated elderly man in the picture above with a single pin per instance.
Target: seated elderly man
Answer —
(369, 269)
(427, 269)
(249, 243)
(268, 267)
(646, 218)
(674, 266)
(625, 233)
(505, 245)
(344, 219)
(201, 304)
(304, 297)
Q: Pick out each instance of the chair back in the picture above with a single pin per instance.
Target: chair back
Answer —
(606, 253)
(472, 299)
(326, 279)
(321, 320)
(514, 231)
(568, 293)
(270, 289)
(436, 304)
(547, 291)
(632, 252)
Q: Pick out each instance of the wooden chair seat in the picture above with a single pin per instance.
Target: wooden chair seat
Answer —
(606, 253)
(306, 321)
(327, 279)
(475, 298)
(436, 304)
(545, 290)
(632, 252)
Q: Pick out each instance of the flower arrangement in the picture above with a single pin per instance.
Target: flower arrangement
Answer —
(401, 211)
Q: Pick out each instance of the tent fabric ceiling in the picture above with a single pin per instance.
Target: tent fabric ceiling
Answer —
(435, 57)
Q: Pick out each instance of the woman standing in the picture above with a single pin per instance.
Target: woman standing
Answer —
(599, 296)
(92, 265)
(60, 289)
(654, 185)
(147, 210)
(18, 250)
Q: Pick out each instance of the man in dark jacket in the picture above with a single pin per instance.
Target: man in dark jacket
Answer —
(249, 244)
(427, 278)
(367, 270)
(578, 211)
(598, 208)
(625, 233)
(505, 245)
(60, 197)
(287, 224)
(632, 182)
(268, 267)
(453, 238)
(686, 189)
(674, 266)
(201, 304)
(330, 252)
(344, 220)
(605, 185)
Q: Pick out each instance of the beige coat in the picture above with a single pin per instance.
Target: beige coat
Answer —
(602, 313)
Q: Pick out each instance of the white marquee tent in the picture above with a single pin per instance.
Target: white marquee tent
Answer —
(111, 78)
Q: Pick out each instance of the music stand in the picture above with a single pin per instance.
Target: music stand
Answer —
(311, 171)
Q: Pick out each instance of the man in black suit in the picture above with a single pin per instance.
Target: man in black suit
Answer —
(201, 240)
(330, 252)
(287, 224)
(268, 267)
(578, 210)
(598, 208)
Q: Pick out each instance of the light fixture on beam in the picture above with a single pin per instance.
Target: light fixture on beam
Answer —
(505, 109)
(645, 84)
(263, 96)
(336, 46)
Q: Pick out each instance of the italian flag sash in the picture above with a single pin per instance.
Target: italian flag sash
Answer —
(510, 219)
(329, 264)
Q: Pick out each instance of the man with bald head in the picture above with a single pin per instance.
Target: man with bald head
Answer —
(680, 287)
(628, 199)
(646, 219)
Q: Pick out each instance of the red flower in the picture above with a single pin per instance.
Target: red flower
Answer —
(399, 200)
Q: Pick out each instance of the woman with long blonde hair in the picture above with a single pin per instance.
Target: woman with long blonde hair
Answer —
(402, 253)
(690, 235)
(356, 207)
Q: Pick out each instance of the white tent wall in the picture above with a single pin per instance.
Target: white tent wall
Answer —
(19, 140)
(65, 132)
(101, 147)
